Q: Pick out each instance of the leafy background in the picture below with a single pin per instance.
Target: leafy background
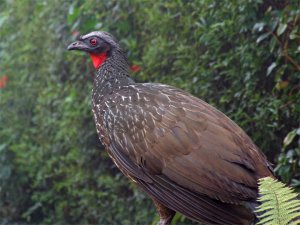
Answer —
(240, 56)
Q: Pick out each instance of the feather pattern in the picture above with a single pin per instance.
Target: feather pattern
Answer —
(182, 151)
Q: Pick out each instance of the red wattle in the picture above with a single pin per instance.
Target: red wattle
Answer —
(98, 59)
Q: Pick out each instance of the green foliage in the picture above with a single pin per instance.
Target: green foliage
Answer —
(279, 204)
(241, 56)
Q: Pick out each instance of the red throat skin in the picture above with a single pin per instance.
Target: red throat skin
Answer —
(98, 59)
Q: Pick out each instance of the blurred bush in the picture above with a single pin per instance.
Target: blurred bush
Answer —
(242, 57)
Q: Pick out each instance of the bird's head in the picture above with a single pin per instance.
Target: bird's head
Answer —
(98, 44)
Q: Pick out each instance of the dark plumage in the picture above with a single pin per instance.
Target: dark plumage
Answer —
(188, 156)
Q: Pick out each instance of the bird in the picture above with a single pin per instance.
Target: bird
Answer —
(185, 154)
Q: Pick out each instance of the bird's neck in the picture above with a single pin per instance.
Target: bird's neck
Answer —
(112, 75)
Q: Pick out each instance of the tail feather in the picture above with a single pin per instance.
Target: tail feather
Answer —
(195, 206)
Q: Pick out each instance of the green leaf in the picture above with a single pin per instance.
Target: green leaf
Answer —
(259, 26)
(262, 37)
(279, 204)
(270, 68)
(294, 34)
(2, 147)
(281, 28)
(73, 14)
(2, 20)
(289, 137)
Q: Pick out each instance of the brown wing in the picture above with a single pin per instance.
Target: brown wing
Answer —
(167, 137)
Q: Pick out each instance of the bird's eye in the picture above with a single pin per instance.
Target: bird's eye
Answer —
(93, 41)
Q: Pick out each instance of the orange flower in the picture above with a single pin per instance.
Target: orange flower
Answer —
(135, 68)
(75, 33)
(3, 81)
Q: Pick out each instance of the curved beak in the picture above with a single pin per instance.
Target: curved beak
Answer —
(78, 45)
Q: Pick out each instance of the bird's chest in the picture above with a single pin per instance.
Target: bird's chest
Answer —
(107, 119)
(98, 114)
(107, 116)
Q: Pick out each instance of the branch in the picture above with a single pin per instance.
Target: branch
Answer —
(284, 46)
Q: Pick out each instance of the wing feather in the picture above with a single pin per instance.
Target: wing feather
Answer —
(183, 151)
